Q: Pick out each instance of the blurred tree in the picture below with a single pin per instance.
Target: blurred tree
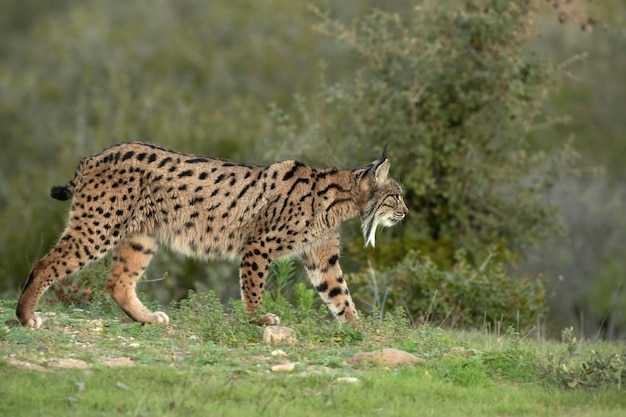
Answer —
(18, 15)
(455, 94)
(584, 39)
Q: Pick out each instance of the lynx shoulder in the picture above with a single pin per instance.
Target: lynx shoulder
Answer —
(132, 197)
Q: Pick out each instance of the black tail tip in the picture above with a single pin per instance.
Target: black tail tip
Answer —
(60, 192)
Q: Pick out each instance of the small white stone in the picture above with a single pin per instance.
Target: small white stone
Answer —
(387, 357)
(283, 367)
(115, 362)
(122, 385)
(278, 353)
(348, 380)
(68, 363)
(279, 334)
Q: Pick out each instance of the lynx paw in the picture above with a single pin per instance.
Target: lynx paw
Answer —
(159, 317)
(268, 319)
(34, 323)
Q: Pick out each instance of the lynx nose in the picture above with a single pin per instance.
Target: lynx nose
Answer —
(405, 211)
(401, 215)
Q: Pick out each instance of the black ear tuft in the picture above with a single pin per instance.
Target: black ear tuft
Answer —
(382, 159)
(373, 166)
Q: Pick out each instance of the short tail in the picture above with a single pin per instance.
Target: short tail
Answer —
(61, 192)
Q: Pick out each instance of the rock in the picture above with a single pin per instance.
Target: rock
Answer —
(122, 385)
(279, 334)
(26, 365)
(460, 351)
(68, 363)
(387, 357)
(347, 380)
(279, 353)
(283, 367)
(115, 362)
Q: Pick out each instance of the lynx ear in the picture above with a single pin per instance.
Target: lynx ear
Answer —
(380, 167)
(381, 172)
(377, 171)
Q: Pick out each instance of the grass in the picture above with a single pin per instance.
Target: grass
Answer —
(92, 362)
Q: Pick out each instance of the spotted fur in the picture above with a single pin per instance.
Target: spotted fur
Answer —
(133, 196)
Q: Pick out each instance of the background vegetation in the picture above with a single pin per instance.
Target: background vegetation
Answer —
(509, 142)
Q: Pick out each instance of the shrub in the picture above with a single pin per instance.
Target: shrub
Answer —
(288, 297)
(465, 296)
(572, 370)
(202, 315)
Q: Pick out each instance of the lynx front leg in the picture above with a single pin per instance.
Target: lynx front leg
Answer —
(322, 264)
(255, 265)
(130, 259)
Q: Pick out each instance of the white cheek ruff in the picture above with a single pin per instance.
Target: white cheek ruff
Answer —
(387, 222)
(370, 238)
(370, 234)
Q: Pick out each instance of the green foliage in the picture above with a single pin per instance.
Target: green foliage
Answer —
(281, 279)
(594, 369)
(85, 289)
(465, 296)
(454, 92)
(516, 361)
(462, 371)
(305, 298)
(286, 296)
(202, 316)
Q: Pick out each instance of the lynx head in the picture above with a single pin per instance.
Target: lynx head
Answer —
(384, 205)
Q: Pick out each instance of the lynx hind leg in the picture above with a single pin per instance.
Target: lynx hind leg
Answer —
(68, 256)
(131, 257)
(322, 265)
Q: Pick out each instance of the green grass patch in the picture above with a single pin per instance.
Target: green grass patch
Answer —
(206, 362)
